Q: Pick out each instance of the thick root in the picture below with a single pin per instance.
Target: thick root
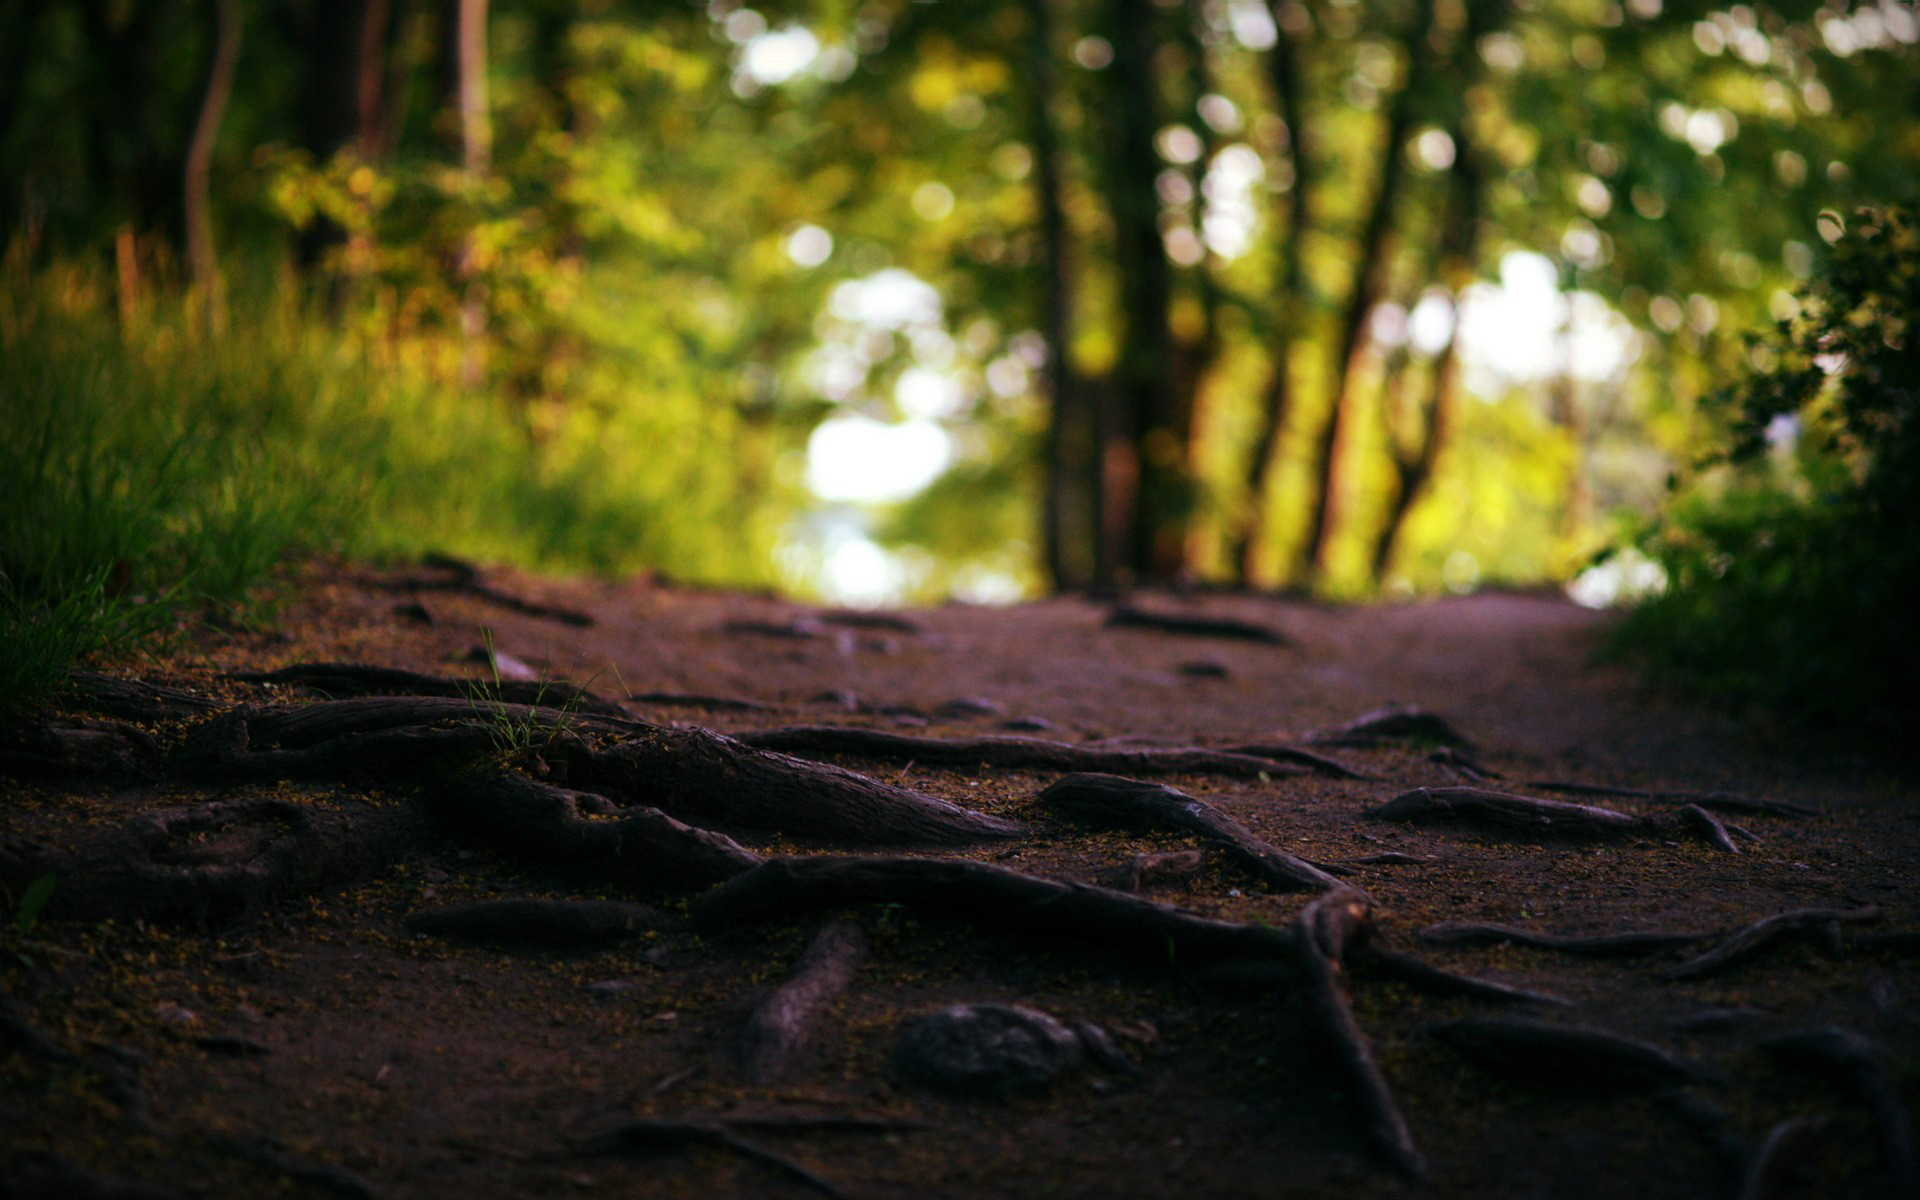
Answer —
(1764, 933)
(783, 887)
(642, 849)
(1603, 945)
(1109, 801)
(1014, 753)
(783, 1024)
(1324, 931)
(1127, 616)
(1566, 1057)
(1505, 812)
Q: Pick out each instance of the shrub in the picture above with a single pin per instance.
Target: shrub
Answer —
(1793, 561)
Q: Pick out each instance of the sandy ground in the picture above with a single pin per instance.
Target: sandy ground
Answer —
(415, 1067)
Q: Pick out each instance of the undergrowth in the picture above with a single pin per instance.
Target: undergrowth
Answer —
(1793, 563)
(152, 477)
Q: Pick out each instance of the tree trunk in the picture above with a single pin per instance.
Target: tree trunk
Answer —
(203, 269)
(1369, 277)
(1289, 300)
(466, 33)
(1056, 301)
(1148, 509)
(1460, 245)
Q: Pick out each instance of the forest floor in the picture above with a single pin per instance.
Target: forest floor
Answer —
(224, 997)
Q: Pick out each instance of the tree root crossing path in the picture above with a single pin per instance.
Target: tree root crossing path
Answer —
(565, 889)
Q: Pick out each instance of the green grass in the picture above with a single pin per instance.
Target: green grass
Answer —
(150, 478)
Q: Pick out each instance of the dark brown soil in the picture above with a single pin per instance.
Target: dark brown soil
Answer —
(305, 1040)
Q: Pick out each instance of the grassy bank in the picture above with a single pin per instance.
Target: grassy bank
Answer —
(151, 476)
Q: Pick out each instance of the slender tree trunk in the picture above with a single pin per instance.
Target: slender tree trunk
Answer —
(1369, 278)
(1459, 256)
(1150, 506)
(1056, 300)
(1197, 353)
(1290, 299)
(467, 45)
(203, 268)
(470, 50)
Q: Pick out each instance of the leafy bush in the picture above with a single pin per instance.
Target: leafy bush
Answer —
(1793, 562)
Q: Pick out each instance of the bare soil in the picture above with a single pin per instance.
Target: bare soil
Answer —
(313, 1043)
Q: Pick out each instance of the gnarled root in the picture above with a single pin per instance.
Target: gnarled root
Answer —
(1566, 1056)
(1323, 932)
(1014, 753)
(783, 1024)
(1109, 800)
(221, 862)
(643, 848)
(1852, 1061)
(1602, 945)
(782, 887)
(1763, 933)
(62, 747)
(1506, 812)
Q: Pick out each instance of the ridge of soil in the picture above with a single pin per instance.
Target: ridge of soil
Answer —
(313, 1042)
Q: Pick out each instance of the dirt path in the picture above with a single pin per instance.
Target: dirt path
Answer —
(289, 1030)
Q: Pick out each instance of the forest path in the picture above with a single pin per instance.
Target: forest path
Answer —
(303, 1035)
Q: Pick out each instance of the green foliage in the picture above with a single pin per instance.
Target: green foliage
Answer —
(1793, 570)
(149, 477)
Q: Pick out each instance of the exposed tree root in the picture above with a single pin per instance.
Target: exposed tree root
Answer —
(1109, 801)
(545, 923)
(358, 679)
(692, 773)
(715, 780)
(218, 863)
(88, 747)
(454, 575)
(133, 699)
(1282, 752)
(1502, 810)
(1378, 962)
(1323, 932)
(1764, 933)
(1159, 867)
(1564, 1056)
(1603, 945)
(1724, 801)
(265, 1153)
(1709, 827)
(700, 701)
(1013, 753)
(1784, 1144)
(783, 1024)
(783, 887)
(1396, 723)
(1853, 1063)
(643, 848)
(646, 1135)
(854, 618)
(1127, 616)
(1462, 764)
